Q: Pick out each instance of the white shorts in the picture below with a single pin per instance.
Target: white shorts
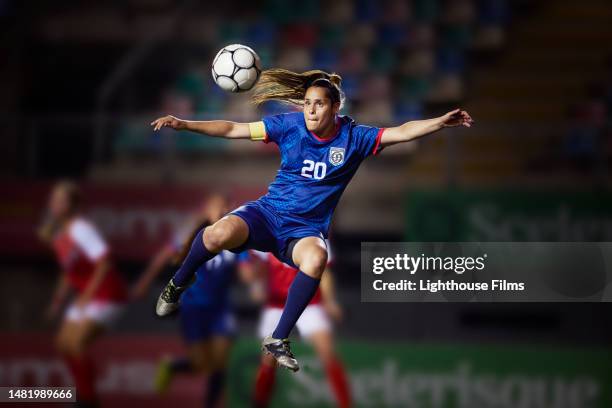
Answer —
(313, 320)
(102, 312)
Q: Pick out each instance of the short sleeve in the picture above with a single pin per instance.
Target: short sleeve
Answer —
(88, 239)
(367, 139)
(274, 127)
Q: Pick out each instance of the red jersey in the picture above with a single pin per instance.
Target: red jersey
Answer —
(280, 276)
(77, 249)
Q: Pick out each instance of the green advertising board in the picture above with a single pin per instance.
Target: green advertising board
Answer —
(505, 216)
(438, 376)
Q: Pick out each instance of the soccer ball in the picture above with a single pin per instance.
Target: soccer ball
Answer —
(236, 68)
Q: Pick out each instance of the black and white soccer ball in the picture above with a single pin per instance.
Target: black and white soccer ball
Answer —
(236, 68)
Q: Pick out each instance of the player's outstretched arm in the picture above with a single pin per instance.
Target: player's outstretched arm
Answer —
(419, 128)
(216, 128)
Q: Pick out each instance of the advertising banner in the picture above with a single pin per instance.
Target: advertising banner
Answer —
(508, 216)
(381, 374)
(410, 375)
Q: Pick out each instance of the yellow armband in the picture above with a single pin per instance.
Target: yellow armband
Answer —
(258, 131)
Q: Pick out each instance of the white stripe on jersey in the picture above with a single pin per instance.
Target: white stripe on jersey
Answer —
(88, 239)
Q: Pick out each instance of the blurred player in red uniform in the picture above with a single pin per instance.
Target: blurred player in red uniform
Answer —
(83, 255)
(314, 325)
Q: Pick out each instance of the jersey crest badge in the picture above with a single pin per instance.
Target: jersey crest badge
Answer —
(336, 156)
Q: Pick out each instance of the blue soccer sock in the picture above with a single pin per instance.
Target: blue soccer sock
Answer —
(198, 254)
(301, 291)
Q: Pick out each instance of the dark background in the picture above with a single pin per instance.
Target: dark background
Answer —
(81, 81)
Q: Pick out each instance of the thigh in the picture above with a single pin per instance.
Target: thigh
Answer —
(231, 230)
(86, 331)
(66, 334)
(89, 331)
(79, 329)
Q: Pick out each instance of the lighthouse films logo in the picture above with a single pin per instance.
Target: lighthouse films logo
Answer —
(486, 272)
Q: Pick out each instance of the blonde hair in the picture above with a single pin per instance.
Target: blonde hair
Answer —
(290, 87)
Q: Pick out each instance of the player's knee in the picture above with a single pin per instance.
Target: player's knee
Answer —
(216, 237)
(314, 262)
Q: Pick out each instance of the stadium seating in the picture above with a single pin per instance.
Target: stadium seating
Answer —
(420, 49)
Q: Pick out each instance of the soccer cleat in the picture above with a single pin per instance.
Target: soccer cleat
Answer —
(168, 301)
(281, 351)
(163, 376)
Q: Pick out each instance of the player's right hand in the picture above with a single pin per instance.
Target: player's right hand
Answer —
(169, 121)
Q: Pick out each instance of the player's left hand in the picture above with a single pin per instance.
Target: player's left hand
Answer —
(457, 117)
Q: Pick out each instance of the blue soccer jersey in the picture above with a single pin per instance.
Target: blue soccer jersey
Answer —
(314, 172)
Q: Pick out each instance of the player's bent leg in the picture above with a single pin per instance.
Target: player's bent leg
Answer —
(229, 232)
(310, 255)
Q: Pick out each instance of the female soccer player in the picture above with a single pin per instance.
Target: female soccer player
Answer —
(314, 325)
(207, 322)
(87, 269)
(320, 153)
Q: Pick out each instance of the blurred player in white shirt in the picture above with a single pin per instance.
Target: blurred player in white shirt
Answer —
(87, 271)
